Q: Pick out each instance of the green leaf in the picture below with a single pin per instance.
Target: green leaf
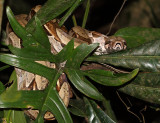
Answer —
(86, 14)
(2, 88)
(29, 65)
(79, 54)
(72, 69)
(69, 12)
(77, 107)
(107, 78)
(65, 53)
(50, 10)
(83, 85)
(95, 114)
(28, 39)
(145, 57)
(14, 116)
(33, 54)
(136, 36)
(40, 35)
(4, 67)
(47, 100)
(146, 86)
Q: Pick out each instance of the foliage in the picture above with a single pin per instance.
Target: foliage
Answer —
(143, 55)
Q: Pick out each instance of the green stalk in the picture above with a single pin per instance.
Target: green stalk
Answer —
(86, 14)
(69, 12)
(74, 20)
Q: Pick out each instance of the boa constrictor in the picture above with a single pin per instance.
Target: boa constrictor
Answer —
(59, 37)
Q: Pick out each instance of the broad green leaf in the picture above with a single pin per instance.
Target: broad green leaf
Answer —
(136, 36)
(28, 65)
(145, 57)
(95, 114)
(107, 78)
(146, 86)
(82, 84)
(50, 10)
(77, 107)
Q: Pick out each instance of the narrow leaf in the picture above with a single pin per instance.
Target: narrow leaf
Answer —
(50, 10)
(4, 67)
(33, 54)
(86, 14)
(78, 107)
(40, 35)
(106, 78)
(28, 65)
(79, 54)
(95, 114)
(83, 85)
(69, 12)
(65, 53)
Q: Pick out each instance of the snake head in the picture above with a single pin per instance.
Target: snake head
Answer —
(114, 44)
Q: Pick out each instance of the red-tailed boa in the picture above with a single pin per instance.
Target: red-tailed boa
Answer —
(59, 37)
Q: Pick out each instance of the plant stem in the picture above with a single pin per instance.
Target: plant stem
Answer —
(69, 12)
(86, 14)
(74, 20)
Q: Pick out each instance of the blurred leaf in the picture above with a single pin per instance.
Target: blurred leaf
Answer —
(146, 86)
(136, 36)
(50, 10)
(95, 114)
(145, 57)
(107, 78)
